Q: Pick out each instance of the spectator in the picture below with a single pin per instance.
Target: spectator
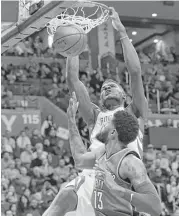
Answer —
(175, 163)
(27, 132)
(47, 147)
(158, 176)
(8, 213)
(18, 163)
(38, 157)
(59, 148)
(165, 153)
(24, 179)
(168, 124)
(62, 171)
(45, 170)
(22, 205)
(172, 189)
(6, 160)
(34, 208)
(36, 181)
(150, 155)
(46, 126)
(53, 160)
(36, 138)
(13, 209)
(8, 142)
(11, 172)
(52, 137)
(48, 193)
(23, 140)
(27, 155)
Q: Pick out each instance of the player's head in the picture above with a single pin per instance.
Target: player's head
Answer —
(111, 91)
(123, 128)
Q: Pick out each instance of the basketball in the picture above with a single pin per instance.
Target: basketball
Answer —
(70, 40)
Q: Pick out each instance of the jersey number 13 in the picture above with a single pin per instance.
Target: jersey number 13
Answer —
(98, 203)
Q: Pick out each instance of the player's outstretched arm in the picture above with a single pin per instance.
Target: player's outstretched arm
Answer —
(133, 66)
(145, 198)
(74, 84)
(82, 158)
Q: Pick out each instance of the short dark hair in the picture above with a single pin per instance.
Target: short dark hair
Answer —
(126, 125)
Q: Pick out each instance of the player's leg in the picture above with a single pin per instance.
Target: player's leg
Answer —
(65, 201)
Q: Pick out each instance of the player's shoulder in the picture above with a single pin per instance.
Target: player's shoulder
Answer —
(94, 106)
(96, 111)
(131, 165)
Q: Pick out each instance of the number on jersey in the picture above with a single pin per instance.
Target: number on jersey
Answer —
(98, 203)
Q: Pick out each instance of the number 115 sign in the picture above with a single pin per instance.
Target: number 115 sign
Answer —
(15, 121)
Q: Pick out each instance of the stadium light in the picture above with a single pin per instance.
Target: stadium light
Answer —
(154, 15)
(134, 33)
(156, 41)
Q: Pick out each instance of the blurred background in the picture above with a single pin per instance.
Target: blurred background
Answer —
(35, 157)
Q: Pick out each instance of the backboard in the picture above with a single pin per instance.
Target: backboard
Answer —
(24, 17)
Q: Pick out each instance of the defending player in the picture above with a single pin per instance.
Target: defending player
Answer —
(119, 170)
(112, 100)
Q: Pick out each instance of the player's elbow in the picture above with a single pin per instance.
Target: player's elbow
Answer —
(78, 165)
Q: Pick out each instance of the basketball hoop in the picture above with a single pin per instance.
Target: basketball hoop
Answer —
(76, 16)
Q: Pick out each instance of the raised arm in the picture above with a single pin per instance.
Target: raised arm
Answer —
(139, 104)
(82, 158)
(75, 85)
(145, 197)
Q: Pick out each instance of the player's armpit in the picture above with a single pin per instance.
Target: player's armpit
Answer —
(145, 198)
(74, 84)
(87, 161)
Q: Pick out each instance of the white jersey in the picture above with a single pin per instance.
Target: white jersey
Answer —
(102, 120)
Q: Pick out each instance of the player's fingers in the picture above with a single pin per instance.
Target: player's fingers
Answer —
(71, 102)
(111, 12)
(77, 104)
(74, 96)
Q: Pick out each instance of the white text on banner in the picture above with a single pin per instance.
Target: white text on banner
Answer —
(106, 38)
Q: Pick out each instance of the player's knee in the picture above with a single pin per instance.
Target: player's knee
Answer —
(70, 195)
(65, 201)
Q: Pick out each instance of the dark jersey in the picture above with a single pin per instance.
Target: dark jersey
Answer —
(105, 202)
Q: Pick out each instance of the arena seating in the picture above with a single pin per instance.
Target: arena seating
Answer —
(34, 163)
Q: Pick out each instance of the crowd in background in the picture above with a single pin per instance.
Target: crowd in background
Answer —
(163, 170)
(34, 163)
(157, 77)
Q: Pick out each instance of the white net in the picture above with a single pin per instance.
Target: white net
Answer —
(77, 16)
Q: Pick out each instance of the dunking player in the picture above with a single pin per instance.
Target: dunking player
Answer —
(119, 169)
(112, 100)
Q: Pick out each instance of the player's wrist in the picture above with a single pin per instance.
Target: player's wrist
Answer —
(128, 195)
(122, 33)
(72, 119)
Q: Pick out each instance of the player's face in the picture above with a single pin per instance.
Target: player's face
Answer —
(111, 90)
(105, 133)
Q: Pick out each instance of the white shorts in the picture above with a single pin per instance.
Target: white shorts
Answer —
(84, 194)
